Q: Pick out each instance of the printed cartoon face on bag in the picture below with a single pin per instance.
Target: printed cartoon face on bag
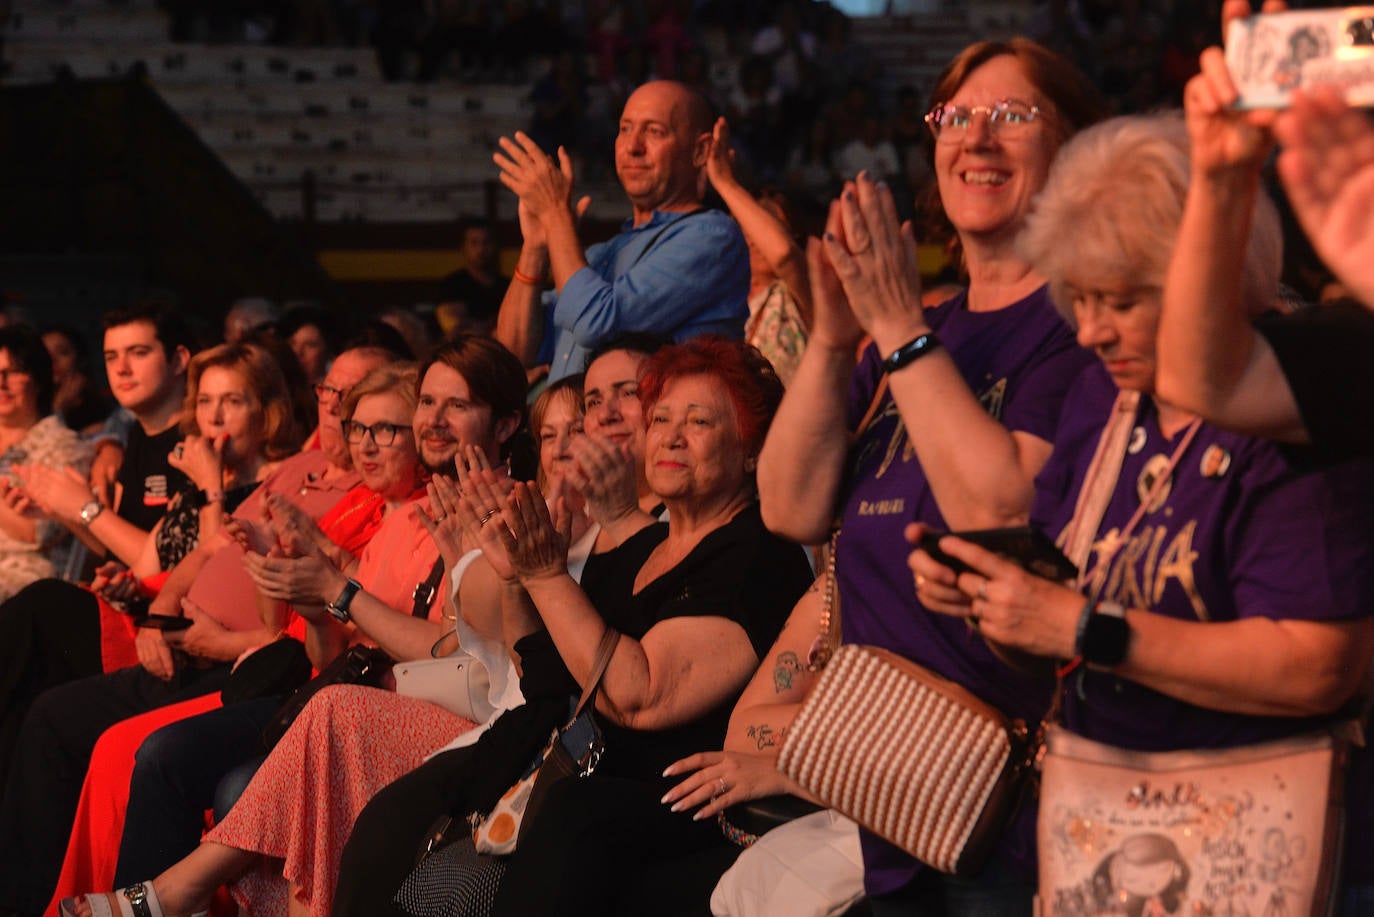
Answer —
(1175, 835)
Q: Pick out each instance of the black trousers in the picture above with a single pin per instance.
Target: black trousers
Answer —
(49, 634)
(50, 762)
(178, 772)
(599, 846)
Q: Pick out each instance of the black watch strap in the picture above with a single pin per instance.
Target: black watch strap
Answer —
(339, 607)
(911, 351)
(1105, 636)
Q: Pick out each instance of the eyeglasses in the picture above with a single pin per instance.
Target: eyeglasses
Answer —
(1009, 118)
(328, 393)
(383, 433)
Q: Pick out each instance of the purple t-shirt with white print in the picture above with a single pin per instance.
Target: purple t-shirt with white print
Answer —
(1240, 531)
(1019, 361)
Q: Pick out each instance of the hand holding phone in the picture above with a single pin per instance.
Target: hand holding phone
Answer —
(1026, 546)
(163, 622)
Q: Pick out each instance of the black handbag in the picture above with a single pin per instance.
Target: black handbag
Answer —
(360, 665)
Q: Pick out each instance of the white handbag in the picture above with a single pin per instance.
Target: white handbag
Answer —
(459, 683)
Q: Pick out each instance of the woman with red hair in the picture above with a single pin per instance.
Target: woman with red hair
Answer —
(696, 603)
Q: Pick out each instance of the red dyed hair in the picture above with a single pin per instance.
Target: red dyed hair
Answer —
(754, 387)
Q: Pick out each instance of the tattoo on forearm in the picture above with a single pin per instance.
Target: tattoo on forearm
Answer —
(766, 736)
(785, 673)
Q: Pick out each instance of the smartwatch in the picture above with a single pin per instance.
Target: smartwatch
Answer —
(339, 607)
(1103, 635)
(90, 511)
(911, 351)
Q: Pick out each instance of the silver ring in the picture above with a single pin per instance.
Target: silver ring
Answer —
(983, 590)
(723, 788)
(178, 450)
(486, 517)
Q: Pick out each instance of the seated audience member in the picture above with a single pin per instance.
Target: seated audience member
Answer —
(50, 631)
(948, 415)
(676, 268)
(420, 333)
(1296, 378)
(240, 409)
(779, 288)
(77, 398)
(247, 316)
(90, 862)
(1228, 586)
(31, 547)
(357, 739)
(614, 428)
(695, 601)
(309, 332)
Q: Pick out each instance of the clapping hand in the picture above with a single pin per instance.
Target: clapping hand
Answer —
(536, 544)
(876, 263)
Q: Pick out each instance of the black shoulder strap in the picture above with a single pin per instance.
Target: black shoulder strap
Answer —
(424, 591)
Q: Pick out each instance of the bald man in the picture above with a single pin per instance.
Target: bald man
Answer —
(675, 269)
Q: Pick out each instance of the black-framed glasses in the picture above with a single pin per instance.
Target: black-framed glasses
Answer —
(1007, 117)
(328, 392)
(383, 433)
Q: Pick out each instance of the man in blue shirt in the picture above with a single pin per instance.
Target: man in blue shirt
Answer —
(675, 269)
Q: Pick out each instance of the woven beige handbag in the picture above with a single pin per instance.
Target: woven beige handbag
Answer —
(911, 756)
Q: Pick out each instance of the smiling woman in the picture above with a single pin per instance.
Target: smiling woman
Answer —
(31, 546)
(950, 412)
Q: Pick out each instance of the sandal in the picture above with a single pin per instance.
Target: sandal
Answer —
(135, 901)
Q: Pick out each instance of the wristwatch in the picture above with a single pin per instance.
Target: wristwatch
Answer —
(1104, 636)
(90, 511)
(339, 607)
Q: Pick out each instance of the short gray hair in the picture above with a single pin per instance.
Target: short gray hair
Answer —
(1112, 206)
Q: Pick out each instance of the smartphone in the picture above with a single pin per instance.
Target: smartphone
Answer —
(1025, 545)
(1271, 54)
(163, 622)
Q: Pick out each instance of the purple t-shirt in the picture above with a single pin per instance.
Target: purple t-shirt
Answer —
(1019, 361)
(1240, 532)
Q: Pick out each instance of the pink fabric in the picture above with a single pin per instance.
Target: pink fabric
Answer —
(223, 588)
(346, 745)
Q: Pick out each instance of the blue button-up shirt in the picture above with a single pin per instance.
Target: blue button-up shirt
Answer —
(678, 274)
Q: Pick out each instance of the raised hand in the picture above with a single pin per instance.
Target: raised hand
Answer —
(542, 184)
(479, 513)
(720, 159)
(442, 521)
(200, 458)
(834, 326)
(876, 263)
(537, 547)
(1327, 167)
(607, 477)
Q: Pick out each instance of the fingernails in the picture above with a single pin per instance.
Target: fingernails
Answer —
(849, 195)
(830, 237)
(698, 815)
